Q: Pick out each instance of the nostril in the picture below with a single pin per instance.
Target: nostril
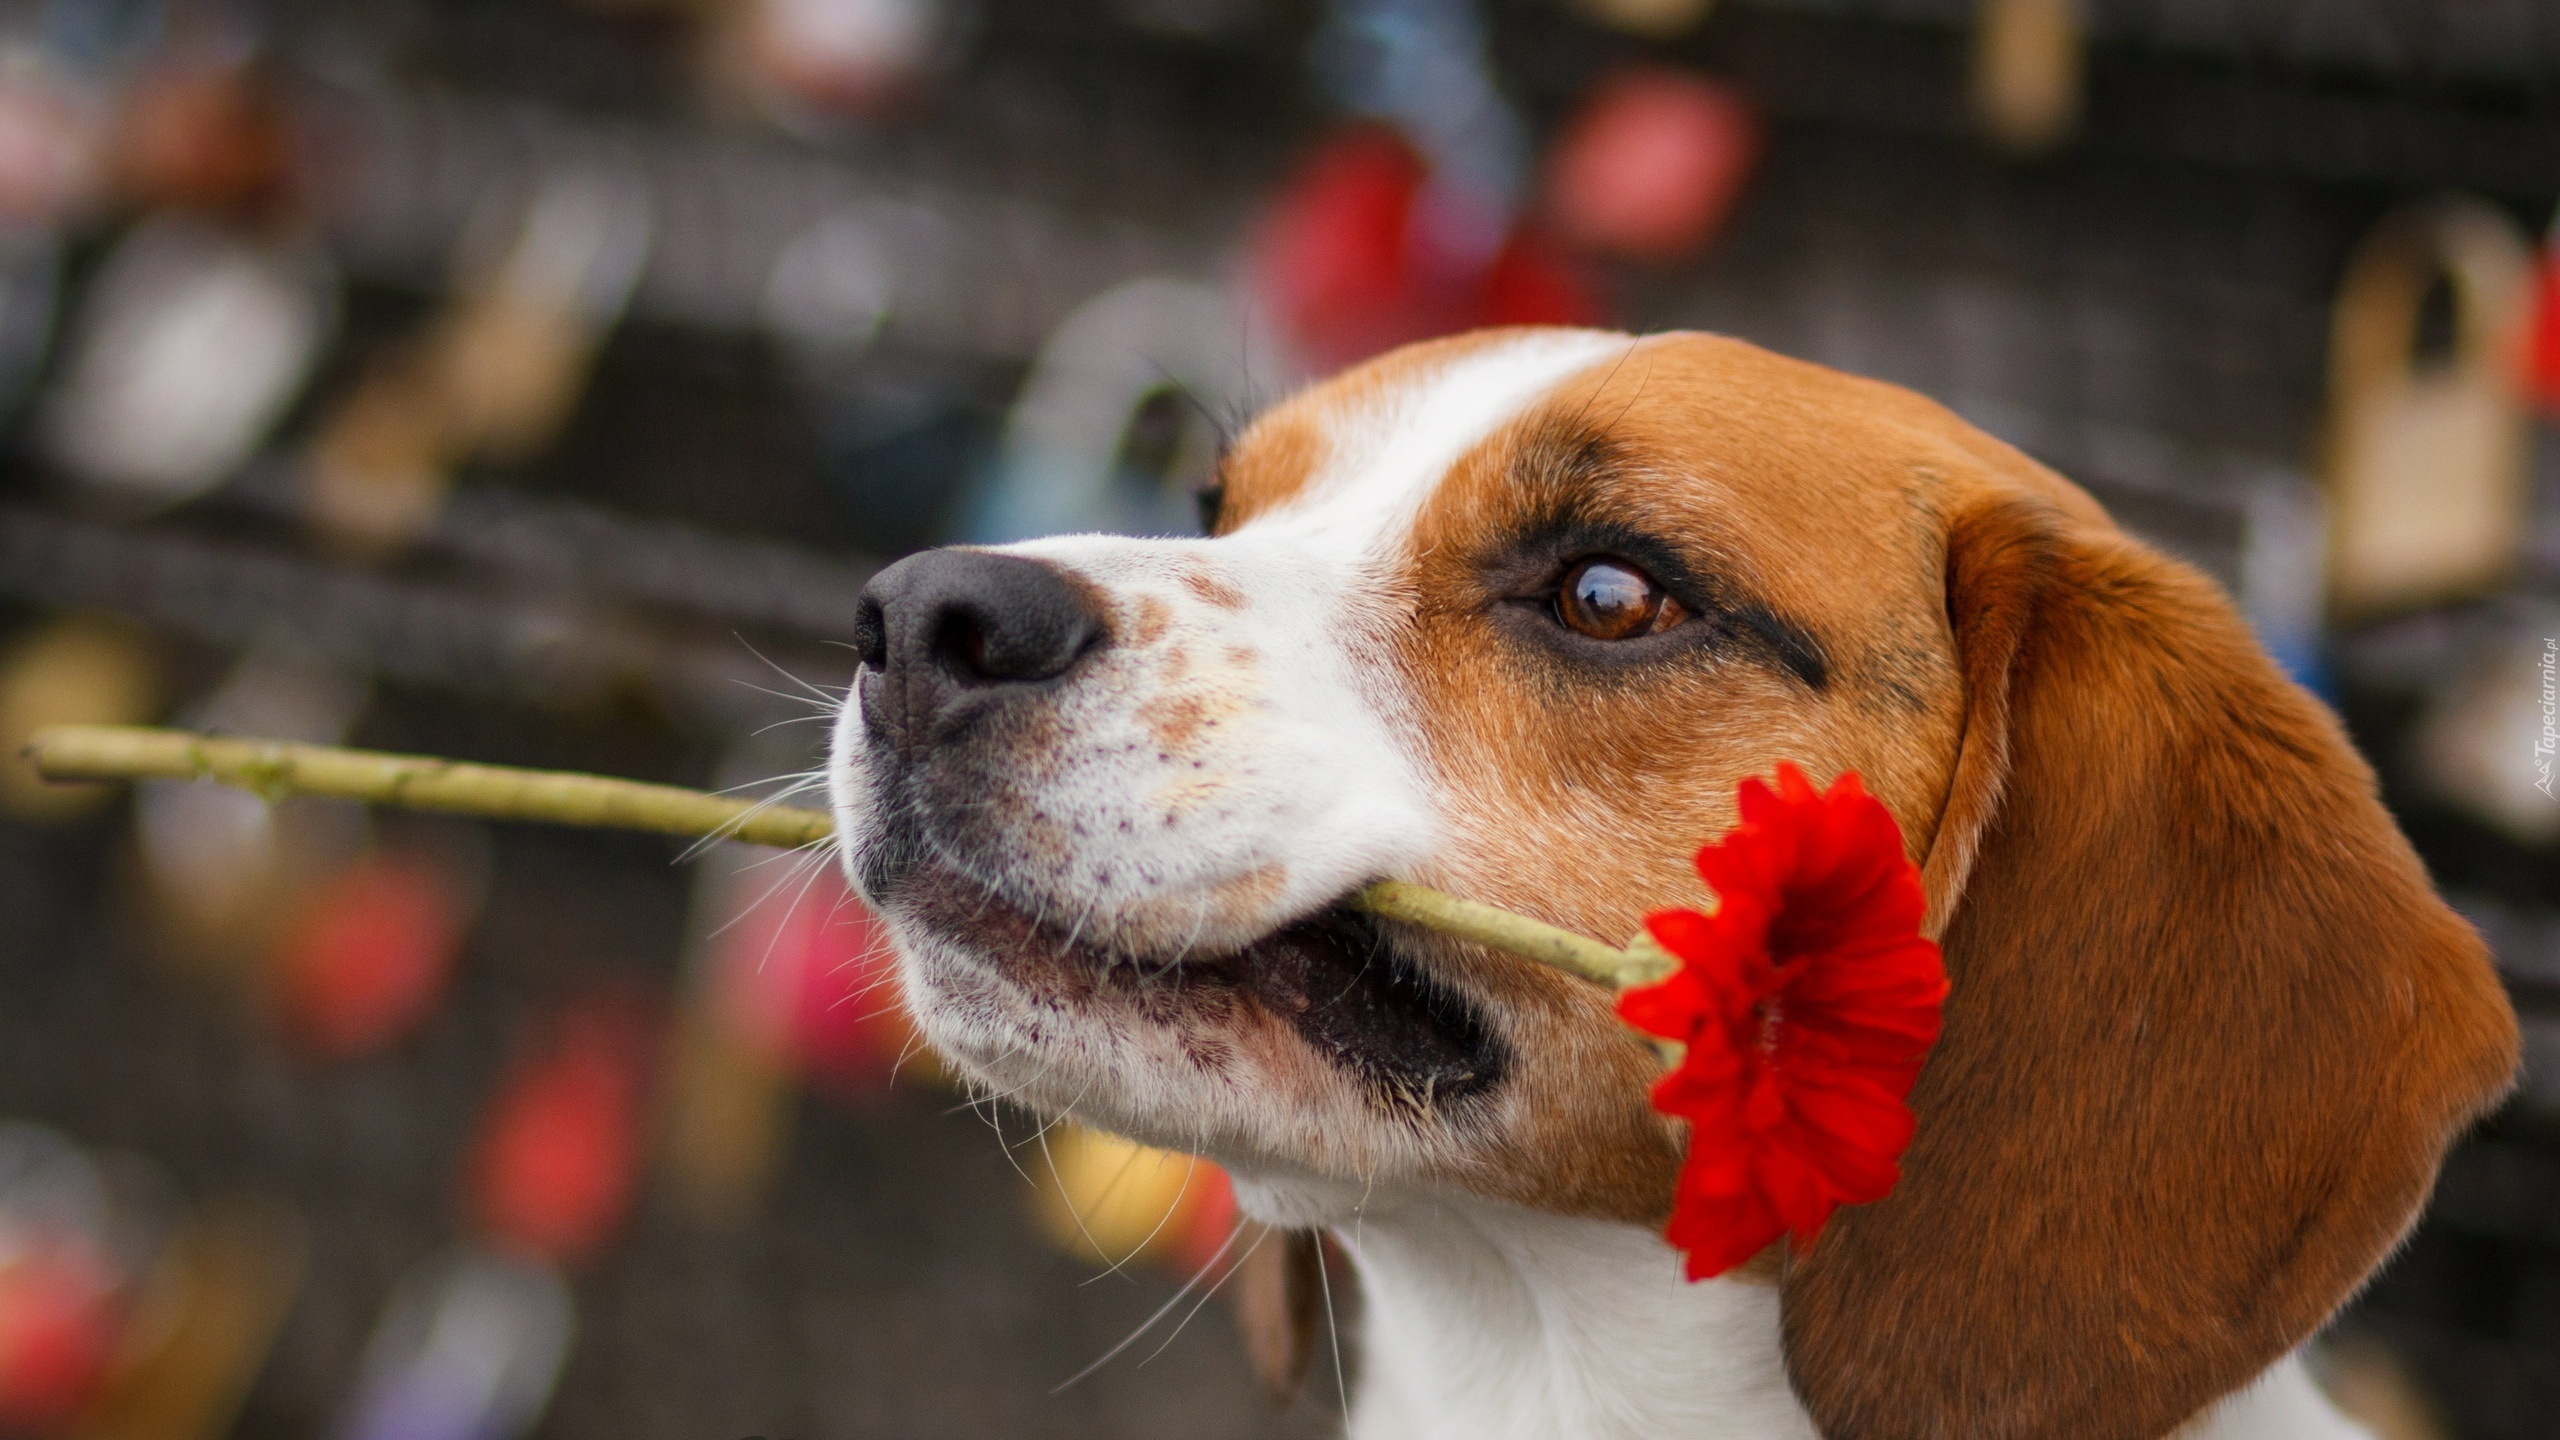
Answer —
(962, 642)
(1012, 646)
(871, 635)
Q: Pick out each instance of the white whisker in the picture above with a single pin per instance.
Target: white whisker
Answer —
(1161, 1311)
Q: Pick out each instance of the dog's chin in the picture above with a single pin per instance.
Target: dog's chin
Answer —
(1068, 1023)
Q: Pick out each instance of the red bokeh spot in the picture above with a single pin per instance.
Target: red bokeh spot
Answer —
(558, 1155)
(2542, 334)
(809, 972)
(209, 134)
(1207, 1221)
(57, 1332)
(1340, 261)
(1652, 164)
(368, 956)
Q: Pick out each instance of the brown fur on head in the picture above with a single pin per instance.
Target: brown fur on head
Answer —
(2210, 1030)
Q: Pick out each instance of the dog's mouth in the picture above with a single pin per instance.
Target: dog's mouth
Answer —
(1353, 996)
(1337, 979)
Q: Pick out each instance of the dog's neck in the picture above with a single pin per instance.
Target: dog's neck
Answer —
(1485, 1321)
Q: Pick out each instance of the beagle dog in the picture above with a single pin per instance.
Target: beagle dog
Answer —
(1510, 614)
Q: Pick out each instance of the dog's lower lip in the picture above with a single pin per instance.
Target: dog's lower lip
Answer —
(1334, 978)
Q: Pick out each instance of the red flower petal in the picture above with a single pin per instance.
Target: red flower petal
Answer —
(1713, 1228)
(1807, 1001)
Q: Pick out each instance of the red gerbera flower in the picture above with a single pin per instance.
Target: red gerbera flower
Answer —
(1806, 1002)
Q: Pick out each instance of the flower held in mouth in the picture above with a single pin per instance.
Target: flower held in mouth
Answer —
(1806, 1003)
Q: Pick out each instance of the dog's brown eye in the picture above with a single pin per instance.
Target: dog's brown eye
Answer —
(1611, 600)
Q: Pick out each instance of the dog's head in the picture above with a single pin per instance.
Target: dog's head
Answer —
(1510, 615)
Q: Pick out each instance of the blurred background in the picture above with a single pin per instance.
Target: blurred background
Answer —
(538, 380)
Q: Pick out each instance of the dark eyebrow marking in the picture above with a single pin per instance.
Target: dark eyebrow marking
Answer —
(1788, 641)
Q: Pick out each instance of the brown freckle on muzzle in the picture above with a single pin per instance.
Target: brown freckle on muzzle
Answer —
(1190, 793)
(1178, 717)
(1212, 589)
(1152, 619)
(1174, 721)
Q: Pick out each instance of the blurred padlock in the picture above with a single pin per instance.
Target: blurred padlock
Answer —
(75, 670)
(2486, 742)
(2425, 456)
(57, 1335)
(1412, 223)
(832, 287)
(511, 360)
(379, 467)
(820, 965)
(1060, 469)
(202, 1326)
(802, 59)
(205, 131)
(2377, 1388)
(469, 1347)
(367, 953)
(555, 1167)
(2542, 334)
(497, 373)
(2028, 64)
(726, 1120)
(193, 341)
(1333, 260)
(725, 1116)
(1210, 1224)
(1425, 69)
(1345, 263)
(794, 985)
(69, 1246)
(1651, 164)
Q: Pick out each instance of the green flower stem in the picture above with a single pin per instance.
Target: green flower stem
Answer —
(1516, 933)
(277, 768)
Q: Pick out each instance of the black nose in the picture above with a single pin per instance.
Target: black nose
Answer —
(945, 632)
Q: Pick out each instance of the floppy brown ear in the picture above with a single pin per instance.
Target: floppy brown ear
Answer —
(1274, 1289)
(2210, 1029)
